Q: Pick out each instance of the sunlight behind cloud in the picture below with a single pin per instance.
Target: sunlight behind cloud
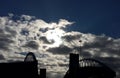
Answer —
(54, 36)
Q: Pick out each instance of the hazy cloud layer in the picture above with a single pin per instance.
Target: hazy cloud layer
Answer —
(52, 44)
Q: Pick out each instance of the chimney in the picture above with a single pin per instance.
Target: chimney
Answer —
(43, 73)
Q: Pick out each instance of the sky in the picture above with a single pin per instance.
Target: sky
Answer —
(95, 16)
(52, 29)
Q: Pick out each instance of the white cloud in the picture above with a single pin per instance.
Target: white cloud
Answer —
(52, 44)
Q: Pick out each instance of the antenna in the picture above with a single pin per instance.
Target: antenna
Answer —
(80, 45)
(76, 48)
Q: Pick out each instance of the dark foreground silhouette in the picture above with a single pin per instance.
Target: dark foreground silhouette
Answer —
(85, 68)
(26, 69)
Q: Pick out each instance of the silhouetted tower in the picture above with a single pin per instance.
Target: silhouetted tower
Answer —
(73, 65)
(30, 58)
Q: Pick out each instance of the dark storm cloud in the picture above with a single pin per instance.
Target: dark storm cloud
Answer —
(44, 39)
(11, 31)
(1, 31)
(2, 57)
(107, 60)
(99, 42)
(102, 46)
(5, 41)
(24, 32)
(32, 44)
(4, 46)
(60, 50)
(43, 29)
(6, 36)
(71, 37)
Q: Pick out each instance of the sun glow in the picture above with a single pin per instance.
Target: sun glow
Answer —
(54, 37)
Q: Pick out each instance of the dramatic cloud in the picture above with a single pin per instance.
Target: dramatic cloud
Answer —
(61, 50)
(52, 44)
(32, 44)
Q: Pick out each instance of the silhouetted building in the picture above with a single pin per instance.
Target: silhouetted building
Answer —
(26, 69)
(87, 68)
